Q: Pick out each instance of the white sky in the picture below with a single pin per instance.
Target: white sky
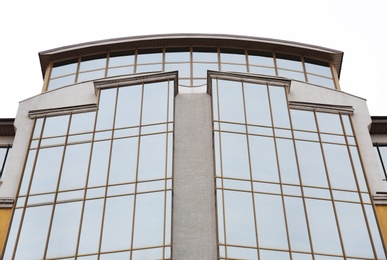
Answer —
(358, 28)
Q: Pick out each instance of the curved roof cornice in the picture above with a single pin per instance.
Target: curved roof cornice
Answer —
(181, 40)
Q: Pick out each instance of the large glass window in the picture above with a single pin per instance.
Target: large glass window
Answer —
(99, 184)
(192, 63)
(289, 182)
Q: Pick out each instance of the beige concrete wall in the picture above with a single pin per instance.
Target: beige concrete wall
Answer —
(194, 224)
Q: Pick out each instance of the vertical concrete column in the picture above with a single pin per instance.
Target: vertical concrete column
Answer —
(194, 223)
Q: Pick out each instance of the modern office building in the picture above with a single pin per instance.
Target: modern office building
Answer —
(193, 147)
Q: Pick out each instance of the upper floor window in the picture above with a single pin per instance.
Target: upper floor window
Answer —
(4, 151)
(192, 64)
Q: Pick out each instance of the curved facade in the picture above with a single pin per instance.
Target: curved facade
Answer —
(193, 147)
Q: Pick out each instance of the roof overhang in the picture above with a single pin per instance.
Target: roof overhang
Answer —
(378, 125)
(187, 40)
(6, 127)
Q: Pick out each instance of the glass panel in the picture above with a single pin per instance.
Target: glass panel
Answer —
(358, 168)
(235, 156)
(117, 228)
(219, 205)
(63, 69)
(86, 76)
(354, 230)
(261, 60)
(152, 157)
(321, 81)
(120, 71)
(347, 124)
(154, 253)
(33, 236)
(149, 68)
(239, 218)
(27, 172)
(288, 63)
(233, 67)
(291, 74)
(303, 120)
(12, 234)
(47, 168)
(123, 60)
(38, 128)
(64, 230)
(323, 227)
(91, 227)
(149, 220)
(241, 253)
(92, 64)
(262, 70)
(150, 58)
(270, 221)
(184, 69)
(318, 69)
(270, 255)
(82, 123)
(99, 163)
(298, 230)
(123, 160)
(329, 123)
(299, 256)
(177, 56)
(233, 58)
(287, 161)
(200, 69)
(263, 158)
(257, 104)
(55, 125)
(339, 167)
(279, 106)
(231, 101)
(75, 166)
(60, 82)
(311, 164)
(154, 108)
(115, 256)
(106, 108)
(205, 56)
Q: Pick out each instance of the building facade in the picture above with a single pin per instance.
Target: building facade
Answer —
(193, 147)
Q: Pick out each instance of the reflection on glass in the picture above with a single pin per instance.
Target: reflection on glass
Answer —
(106, 108)
(82, 123)
(123, 160)
(86, 76)
(149, 219)
(92, 64)
(91, 227)
(303, 120)
(231, 101)
(63, 69)
(13, 232)
(235, 156)
(76, 162)
(60, 82)
(154, 253)
(240, 227)
(263, 158)
(117, 228)
(55, 125)
(270, 221)
(339, 167)
(279, 106)
(354, 230)
(99, 163)
(27, 172)
(329, 123)
(64, 230)
(47, 170)
(323, 229)
(241, 253)
(33, 236)
(152, 157)
(38, 128)
(287, 161)
(150, 58)
(270, 255)
(298, 231)
(311, 164)
(154, 108)
(177, 56)
(257, 104)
